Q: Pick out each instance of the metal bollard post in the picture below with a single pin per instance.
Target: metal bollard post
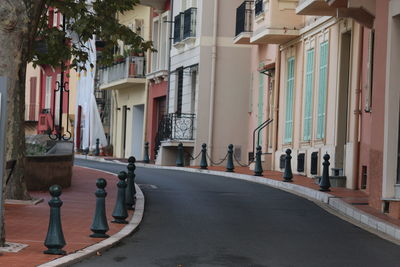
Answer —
(325, 184)
(146, 158)
(132, 160)
(288, 175)
(100, 226)
(179, 156)
(203, 161)
(258, 170)
(55, 238)
(97, 151)
(229, 164)
(120, 212)
(130, 191)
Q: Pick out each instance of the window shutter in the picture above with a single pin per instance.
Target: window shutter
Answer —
(308, 95)
(289, 102)
(323, 75)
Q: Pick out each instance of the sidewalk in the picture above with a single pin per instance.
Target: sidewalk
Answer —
(27, 224)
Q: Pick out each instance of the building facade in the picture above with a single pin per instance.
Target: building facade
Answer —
(126, 81)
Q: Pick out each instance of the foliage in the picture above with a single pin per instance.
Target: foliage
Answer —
(53, 45)
(35, 149)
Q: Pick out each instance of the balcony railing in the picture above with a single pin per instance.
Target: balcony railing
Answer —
(244, 17)
(176, 126)
(129, 67)
(189, 26)
(259, 7)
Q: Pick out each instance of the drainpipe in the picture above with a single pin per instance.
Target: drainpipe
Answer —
(357, 111)
(276, 103)
(213, 78)
(171, 22)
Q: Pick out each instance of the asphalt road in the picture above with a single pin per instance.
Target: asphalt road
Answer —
(203, 220)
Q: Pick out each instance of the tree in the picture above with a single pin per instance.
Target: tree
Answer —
(24, 32)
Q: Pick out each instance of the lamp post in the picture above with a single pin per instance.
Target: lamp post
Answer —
(61, 87)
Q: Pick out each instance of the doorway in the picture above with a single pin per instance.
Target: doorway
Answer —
(137, 131)
(343, 99)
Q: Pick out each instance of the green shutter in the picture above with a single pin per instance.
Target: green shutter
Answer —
(322, 90)
(308, 95)
(260, 103)
(289, 101)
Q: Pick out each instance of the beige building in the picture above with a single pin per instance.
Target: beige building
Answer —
(126, 79)
(208, 96)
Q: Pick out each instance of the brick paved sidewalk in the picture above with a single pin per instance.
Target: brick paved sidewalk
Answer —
(28, 224)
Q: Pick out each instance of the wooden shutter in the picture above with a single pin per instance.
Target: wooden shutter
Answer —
(323, 82)
(32, 99)
(289, 101)
(308, 95)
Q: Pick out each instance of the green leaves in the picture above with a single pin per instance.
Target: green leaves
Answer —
(53, 45)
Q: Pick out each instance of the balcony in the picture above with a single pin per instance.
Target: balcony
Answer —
(176, 127)
(362, 11)
(244, 19)
(128, 72)
(156, 4)
(275, 22)
(315, 8)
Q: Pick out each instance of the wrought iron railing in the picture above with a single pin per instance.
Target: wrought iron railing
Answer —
(259, 7)
(129, 67)
(176, 126)
(189, 25)
(244, 17)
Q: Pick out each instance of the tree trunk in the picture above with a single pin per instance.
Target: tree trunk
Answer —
(13, 48)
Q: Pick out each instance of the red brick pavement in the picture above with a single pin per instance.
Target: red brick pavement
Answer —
(28, 224)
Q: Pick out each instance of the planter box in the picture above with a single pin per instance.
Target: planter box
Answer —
(41, 172)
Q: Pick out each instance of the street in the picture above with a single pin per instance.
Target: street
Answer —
(203, 220)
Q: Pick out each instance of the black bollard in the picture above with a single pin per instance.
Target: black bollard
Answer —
(287, 174)
(120, 212)
(203, 161)
(55, 238)
(325, 184)
(130, 191)
(97, 151)
(146, 158)
(258, 170)
(179, 156)
(132, 160)
(229, 164)
(100, 226)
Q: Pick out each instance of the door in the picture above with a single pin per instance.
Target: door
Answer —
(343, 103)
(137, 131)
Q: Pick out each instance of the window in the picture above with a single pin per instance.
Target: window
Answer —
(193, 91)
(178, 27)
(164, 42)
(308, 95)
(289, 101)
(189, 26)
(47, 99)
(32, 99)
(154, 63)
(322, 88)
(259, 7)
(179, 90)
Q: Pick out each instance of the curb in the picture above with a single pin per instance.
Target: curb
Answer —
(357, 216)
(106, 243)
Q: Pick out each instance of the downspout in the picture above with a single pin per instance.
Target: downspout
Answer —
(213, 78)
(357, 112)
(275, 123)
